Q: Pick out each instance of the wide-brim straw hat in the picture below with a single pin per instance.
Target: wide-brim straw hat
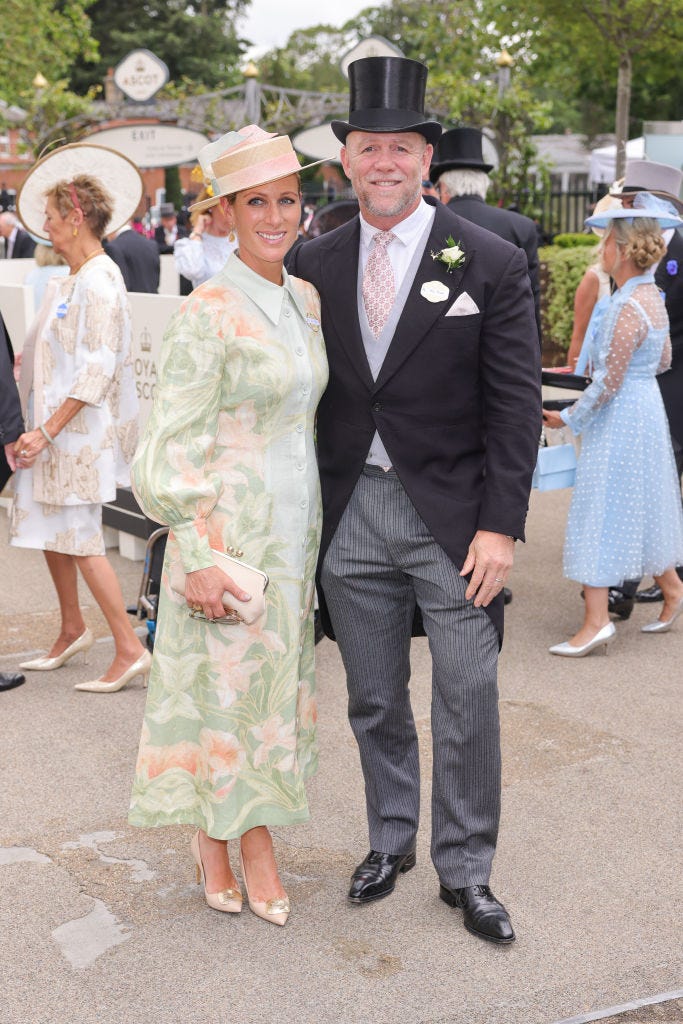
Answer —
(118, 175)
(645, 205)
(246, 159)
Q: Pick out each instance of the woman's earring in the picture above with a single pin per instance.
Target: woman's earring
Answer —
(232, 236)
(75, 232)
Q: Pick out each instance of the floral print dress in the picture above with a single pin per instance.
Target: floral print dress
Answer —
(228, 460)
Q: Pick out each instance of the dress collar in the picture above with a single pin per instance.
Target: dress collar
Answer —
(267, 296)
(406, 231)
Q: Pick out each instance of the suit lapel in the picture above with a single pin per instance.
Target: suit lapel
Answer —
(419, 314)
(339, 269)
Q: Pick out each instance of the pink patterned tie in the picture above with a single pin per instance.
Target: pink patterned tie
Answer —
(378, 282)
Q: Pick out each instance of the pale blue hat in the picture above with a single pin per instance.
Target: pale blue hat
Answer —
(645, 204)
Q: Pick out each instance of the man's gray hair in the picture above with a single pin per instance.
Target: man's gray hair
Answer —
(459, 182)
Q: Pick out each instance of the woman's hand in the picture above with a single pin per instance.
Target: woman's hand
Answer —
(200, 225)
(204, 590)
(552, 419)
(27, 448)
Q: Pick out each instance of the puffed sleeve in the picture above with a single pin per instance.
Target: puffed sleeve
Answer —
(623, 334)
(171, 473)
(188, 256)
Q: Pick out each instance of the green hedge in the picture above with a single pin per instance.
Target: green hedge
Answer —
(570, 241)
(561, 272)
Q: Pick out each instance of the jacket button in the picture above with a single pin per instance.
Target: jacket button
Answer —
(377, 407)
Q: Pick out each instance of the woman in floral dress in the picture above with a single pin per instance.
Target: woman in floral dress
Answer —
(228, 462)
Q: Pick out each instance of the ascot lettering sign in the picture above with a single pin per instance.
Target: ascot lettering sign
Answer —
(140, 75)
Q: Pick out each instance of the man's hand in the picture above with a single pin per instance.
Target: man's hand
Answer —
(489, 559)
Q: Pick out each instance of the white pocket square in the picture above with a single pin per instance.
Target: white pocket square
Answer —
(464, 305)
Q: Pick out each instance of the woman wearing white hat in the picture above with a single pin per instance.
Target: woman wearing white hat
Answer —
(79, 398)
(625, 519)
(228, 462)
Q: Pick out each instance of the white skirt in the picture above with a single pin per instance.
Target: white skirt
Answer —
(66, 529)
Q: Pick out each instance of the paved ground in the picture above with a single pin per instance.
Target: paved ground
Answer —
(102, 922)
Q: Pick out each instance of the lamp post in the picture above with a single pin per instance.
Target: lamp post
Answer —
(504, 62)
(252, 94)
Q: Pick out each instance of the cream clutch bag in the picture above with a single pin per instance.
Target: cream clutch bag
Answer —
(254, 581)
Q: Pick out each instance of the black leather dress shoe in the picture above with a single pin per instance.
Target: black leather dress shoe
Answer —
(618, 603)
(653, 593)
(484, 915)
(376, 876)
(8, 680)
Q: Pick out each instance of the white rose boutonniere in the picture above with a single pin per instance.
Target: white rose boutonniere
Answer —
(452, 255)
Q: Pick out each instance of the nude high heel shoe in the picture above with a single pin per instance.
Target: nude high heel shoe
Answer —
(140, 667)
(229, 900)
(276, 910)
(83, 643)
(602, 638)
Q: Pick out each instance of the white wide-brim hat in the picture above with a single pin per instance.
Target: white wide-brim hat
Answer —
(246, 159)
(644, 205)
(116, 173)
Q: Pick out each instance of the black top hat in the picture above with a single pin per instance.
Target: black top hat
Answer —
(460, 147)
(387, 95)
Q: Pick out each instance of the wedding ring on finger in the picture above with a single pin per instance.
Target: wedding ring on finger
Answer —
(497, 580)
(24, 451)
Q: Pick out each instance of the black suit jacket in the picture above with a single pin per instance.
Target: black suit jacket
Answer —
(138, 260)
(11, 422)
(513, 227)
(669, 277)
(457, 402)
(160, 239)
(24, 246)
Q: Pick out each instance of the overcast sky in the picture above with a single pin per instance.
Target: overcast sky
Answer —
(269, 23)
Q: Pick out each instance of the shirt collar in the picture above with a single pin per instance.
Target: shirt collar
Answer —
(267, 296)
(407, 231)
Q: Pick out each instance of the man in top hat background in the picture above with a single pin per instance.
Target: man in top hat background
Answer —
(427, 438)
(665, 181)
(169, 231)
(462, 180)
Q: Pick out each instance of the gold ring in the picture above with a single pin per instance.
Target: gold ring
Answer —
(196, 607)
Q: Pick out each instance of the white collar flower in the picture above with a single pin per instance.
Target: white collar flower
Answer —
(452, 255)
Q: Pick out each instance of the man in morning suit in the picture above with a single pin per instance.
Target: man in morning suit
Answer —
(427, 439)
(18, 243)
(137, 258)
(11, 428)
(461, 178)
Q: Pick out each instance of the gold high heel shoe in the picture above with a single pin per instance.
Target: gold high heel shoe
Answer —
(276, 910)
(229, 900)
(140, 667)
(83, 643)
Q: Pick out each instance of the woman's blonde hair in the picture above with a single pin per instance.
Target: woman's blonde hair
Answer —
(92, 197)
(639, 240)
(45, 256)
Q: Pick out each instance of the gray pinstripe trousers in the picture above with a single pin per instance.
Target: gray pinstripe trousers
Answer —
(382, 560)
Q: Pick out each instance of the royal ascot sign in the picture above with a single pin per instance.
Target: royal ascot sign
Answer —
(140, 75)
(152, 145)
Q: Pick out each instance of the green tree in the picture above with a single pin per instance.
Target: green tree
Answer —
(309, 60)
(197, 39)
(44, 37)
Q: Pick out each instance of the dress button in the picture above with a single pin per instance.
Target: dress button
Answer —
(301, 465)
(305, 390)
(288, 312)
(377, 407)
(303, 503)
(299, 428)
(299, 350)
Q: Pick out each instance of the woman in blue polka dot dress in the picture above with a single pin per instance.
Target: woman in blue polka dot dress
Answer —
(625, 519)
